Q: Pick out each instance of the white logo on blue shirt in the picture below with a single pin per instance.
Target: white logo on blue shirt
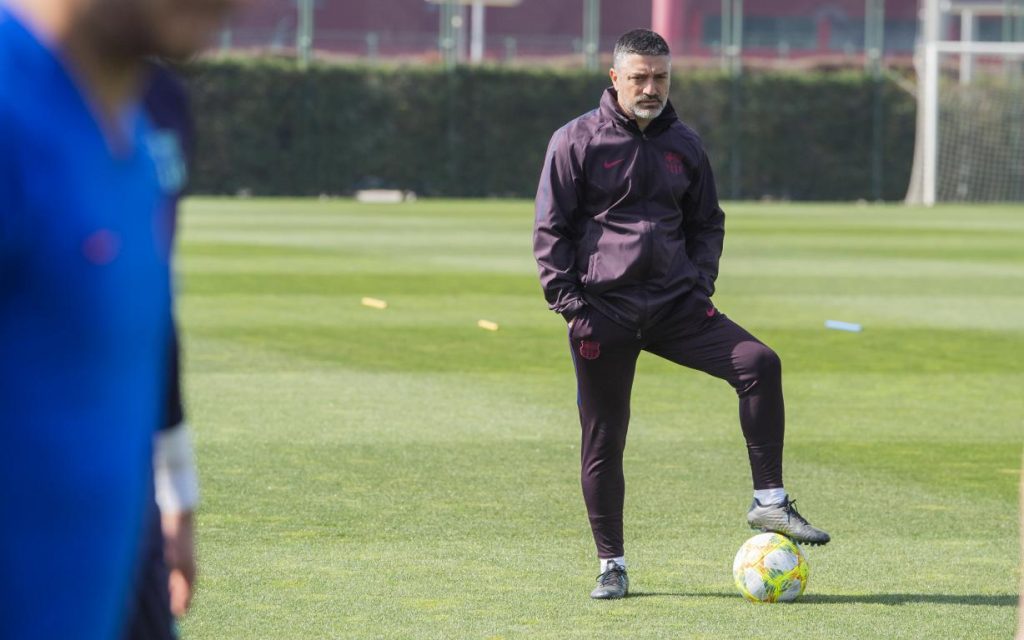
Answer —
(171, 170)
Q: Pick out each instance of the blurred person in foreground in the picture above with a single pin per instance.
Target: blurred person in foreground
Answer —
(1020, 607)
(85, 298)
(627, 237)
(167, 572)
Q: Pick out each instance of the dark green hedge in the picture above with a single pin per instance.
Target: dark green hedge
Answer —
(272, 130)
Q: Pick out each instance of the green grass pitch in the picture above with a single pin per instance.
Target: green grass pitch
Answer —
(402, 473)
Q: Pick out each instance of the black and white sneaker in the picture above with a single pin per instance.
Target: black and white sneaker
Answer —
(782, 517)
(612, 584)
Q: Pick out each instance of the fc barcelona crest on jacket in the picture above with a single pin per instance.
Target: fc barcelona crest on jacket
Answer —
(674, 162)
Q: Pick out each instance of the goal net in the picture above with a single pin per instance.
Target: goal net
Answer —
(970, 137)
(979, 129)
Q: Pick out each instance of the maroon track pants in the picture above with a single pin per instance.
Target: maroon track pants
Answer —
(693, 334)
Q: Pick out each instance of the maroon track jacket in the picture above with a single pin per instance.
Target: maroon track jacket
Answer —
(627, 222)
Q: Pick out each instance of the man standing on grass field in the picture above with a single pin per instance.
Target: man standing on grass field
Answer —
(627, 237)
(85, 227)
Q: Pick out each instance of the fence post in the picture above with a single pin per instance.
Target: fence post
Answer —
(591, 33)
(304, 35)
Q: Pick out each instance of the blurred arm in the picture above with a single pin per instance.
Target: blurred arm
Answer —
(177, 494)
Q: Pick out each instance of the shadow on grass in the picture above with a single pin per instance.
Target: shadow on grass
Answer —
(878, 598)
(913, 598)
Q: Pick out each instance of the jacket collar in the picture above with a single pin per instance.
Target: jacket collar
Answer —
(611, 110)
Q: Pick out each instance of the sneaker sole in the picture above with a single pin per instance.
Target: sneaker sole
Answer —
(793, 538)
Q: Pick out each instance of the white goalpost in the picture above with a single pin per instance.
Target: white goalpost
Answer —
(970, 138)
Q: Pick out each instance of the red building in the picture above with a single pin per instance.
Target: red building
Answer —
(774, 28)
(553, 28)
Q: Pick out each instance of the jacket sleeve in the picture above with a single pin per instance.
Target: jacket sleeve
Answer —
(704, 225)
(554, 246)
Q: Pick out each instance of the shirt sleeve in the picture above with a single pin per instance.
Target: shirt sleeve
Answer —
(704, 225)
(554, 246)
(174, 410)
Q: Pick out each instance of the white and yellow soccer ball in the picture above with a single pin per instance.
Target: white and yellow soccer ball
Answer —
(770, 568)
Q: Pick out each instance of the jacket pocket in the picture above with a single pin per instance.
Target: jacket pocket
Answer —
(621, 257)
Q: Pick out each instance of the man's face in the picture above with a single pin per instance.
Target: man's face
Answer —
(170, 28)
(642, 84)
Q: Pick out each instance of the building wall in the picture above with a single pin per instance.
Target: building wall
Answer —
(554, 27)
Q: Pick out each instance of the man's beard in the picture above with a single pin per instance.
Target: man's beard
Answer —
(648, 113)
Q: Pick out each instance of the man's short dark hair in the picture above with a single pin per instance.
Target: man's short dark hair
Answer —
(642, 42)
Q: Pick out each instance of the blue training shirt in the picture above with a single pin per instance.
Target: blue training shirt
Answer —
(84, 329)
(166, 103)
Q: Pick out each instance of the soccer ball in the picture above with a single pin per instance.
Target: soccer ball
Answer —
(770, 568)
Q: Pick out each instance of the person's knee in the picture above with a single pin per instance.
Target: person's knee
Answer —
(606, 435)
(764, 363)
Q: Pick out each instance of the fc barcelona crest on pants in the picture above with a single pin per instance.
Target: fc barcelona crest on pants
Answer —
(590, 349)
